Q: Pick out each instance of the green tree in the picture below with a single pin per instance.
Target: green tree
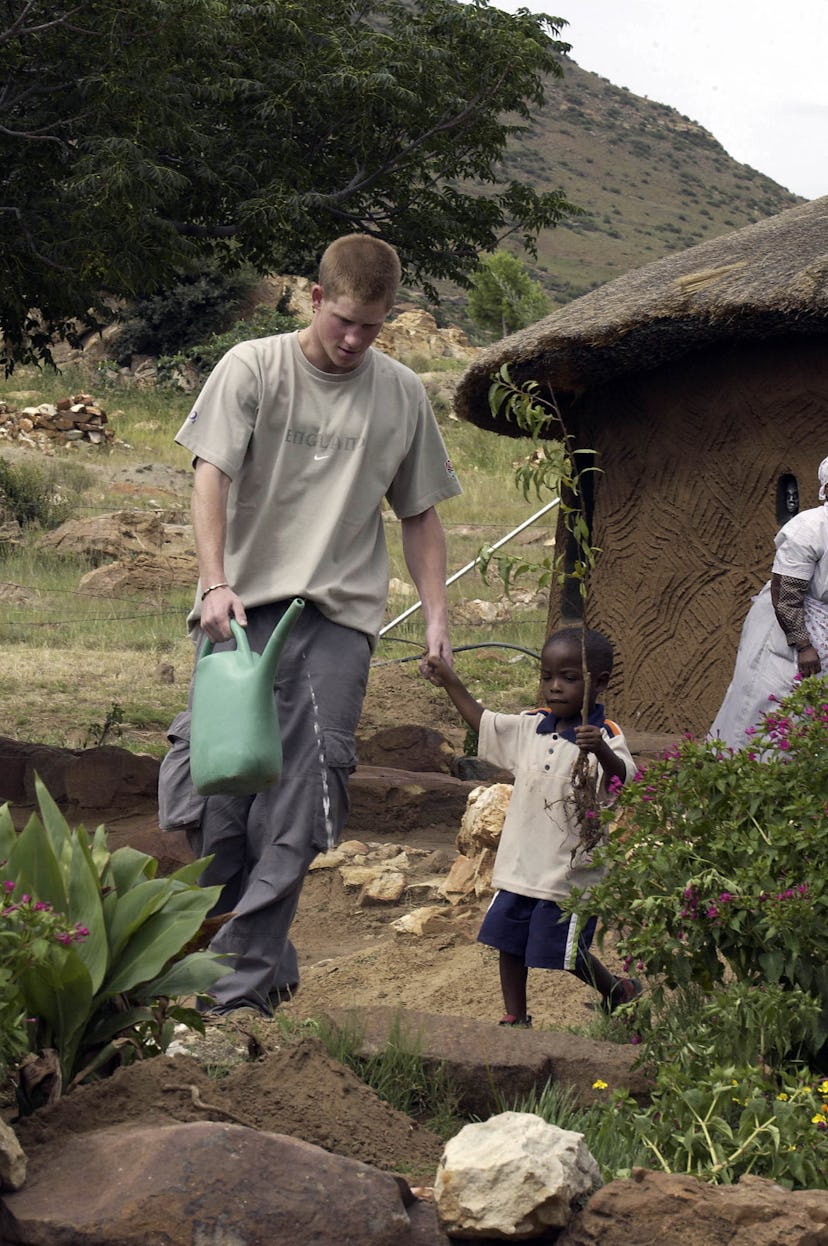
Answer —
(503, 297)
(139, 140)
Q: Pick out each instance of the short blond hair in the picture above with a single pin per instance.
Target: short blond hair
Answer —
(360, 267)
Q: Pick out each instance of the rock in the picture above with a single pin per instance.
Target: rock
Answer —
(512, 1176)
(405, 800)
(104, 538)
(656, 1207)
(110, 779)
(483, 818)
(203, 1182)
(489, 1065)
(476, 770)
(460, 879)
(410, 748)
(427, 920)
(386, 888)
(12, 1159)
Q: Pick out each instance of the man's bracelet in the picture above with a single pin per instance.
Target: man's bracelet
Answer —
(213, 588)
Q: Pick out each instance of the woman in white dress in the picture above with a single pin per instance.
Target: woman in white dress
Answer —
(786, 629)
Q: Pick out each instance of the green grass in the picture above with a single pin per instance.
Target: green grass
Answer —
(398, 1073)
(76, 655)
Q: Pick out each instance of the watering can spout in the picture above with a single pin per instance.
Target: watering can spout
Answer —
(273, 649)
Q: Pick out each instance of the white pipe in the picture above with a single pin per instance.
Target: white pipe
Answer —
(527, 523)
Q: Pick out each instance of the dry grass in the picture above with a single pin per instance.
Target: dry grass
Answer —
(79, 669)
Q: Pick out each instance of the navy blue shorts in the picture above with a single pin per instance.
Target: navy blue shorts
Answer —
(536, 931)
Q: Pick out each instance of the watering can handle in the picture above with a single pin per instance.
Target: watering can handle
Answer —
(239, 635)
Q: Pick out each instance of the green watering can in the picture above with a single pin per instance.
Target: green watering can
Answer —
(235, 744)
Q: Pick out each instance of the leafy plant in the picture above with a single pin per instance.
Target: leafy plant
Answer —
(721, 863)
(733, 1120)
(30, 932)
(33, 496)
(98, 733)
(189, 310)
(106, 998)
(539, 416)
(716, 885)
(205, 354)
(503, 297)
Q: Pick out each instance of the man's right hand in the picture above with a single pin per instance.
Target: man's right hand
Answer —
(217, 608)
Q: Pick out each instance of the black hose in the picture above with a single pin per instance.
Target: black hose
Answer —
(488, 644)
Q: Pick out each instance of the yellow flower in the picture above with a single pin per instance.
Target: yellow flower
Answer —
(782, 1096)
(823, 1087)
(817, 1120)
(599, 1085)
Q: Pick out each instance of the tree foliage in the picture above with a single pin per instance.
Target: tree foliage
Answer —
(503, 297)
(140, 140)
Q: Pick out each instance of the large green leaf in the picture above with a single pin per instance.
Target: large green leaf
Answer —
(160, 937)
(85, 908)
(133, 909)
(128, 866)
(191, 976)
(191, 872)
(8, 833)
(109, 1023)
(53, 820)
(34, 864)
(60, 993)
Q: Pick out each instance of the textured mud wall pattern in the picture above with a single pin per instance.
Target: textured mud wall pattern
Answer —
(685, 513)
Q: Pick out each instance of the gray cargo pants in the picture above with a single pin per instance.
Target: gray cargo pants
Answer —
(262, 845)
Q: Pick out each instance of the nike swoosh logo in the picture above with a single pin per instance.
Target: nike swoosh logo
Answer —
(318, 457)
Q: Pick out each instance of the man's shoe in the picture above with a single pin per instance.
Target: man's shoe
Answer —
(518, 1023)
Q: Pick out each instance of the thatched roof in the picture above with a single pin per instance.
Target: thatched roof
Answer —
(762, 281)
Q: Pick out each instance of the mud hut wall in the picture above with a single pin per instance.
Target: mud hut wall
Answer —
(685, 513)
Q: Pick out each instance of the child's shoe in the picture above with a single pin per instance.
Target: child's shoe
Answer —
(625, 991)
(519, 1023)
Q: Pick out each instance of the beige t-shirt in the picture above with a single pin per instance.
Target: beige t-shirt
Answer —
(310, 456)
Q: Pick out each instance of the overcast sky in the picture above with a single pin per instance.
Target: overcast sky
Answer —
(752, 72)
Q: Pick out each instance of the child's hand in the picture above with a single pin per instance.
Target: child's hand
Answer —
(439, 671)
(589, 738)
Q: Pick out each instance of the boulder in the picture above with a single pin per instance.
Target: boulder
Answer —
(203, 1182)
(656, 1207)
(408, 748)
(490, 1064)
(513, 1176)
(483, 818)
(109, 537)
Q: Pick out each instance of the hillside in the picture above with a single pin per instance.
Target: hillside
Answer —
(650, 180)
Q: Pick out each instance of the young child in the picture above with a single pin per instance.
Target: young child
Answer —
(540, 858)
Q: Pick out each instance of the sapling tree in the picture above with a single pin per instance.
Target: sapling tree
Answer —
(536, 412)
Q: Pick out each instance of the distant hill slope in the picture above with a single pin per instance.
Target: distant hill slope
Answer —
(650, 180)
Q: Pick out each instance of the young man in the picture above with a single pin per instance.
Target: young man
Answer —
(297, 439)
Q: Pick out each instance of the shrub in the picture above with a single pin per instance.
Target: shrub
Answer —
(200, 304)
(721, 864)
(717, 889)
(106, 999)
(33, 496)
(204, 355)
(30, 933)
